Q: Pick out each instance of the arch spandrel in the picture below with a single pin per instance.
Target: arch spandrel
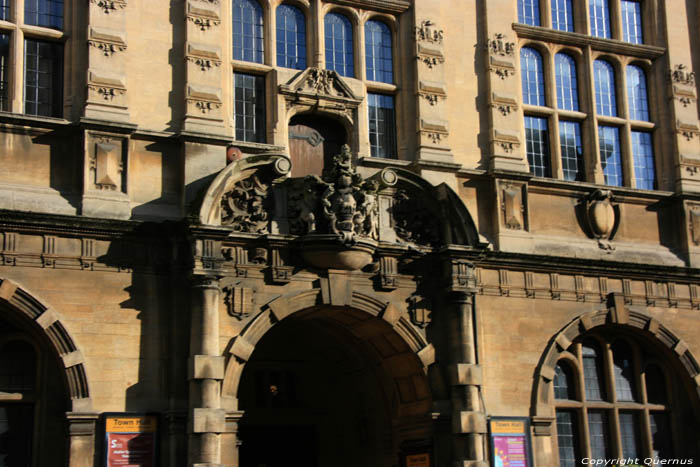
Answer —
(49, 323)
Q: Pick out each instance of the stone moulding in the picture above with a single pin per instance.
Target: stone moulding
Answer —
(109, 41)
(203, 55)
(204, 98)
(508, 141)
(109, 6)
(505, 103)
(108, 85)
(204, 16)
(689, 130)
(435, 129)
(432, 91)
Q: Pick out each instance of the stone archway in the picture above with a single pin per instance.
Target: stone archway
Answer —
(389, 358)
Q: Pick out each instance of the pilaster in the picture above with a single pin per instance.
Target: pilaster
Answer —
(81, 429)
(204, 70)
(107, 97)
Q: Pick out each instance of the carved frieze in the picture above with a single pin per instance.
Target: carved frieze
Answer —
(108, 6)
(246, 208)
(319, 89)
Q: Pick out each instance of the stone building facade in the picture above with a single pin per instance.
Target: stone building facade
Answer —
(349, 232)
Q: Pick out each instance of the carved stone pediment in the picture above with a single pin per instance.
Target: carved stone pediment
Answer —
(319, 84)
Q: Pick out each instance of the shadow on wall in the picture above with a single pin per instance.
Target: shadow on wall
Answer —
(65, 161)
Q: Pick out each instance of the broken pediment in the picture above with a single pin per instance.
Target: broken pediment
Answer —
(319, 84)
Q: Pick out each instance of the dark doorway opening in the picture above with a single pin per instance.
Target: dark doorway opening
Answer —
(313, 141)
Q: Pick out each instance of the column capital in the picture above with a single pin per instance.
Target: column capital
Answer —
(205, 281)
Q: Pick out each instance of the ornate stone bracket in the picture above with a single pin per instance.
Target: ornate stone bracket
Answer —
(107, 85)
(689, 130)
(204, 56)
(109, 6)
(107, 40)
(683, 85)
(432, 91)
(204, 17)
(204, 98)
(505, 103)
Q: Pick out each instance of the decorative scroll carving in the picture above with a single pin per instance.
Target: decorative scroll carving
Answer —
(601, 216)
(499, 46)
(246, 207)
(109, 6)
(682, 75)
(683, 85)
(501, 54)
(432, 91)
(427, 31)
(414, 221)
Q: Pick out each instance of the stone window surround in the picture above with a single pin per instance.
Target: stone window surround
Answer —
(610, 405)
(585, 50)
(18, 31)
(314, 12)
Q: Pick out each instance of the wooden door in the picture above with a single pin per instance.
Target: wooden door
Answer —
(313, 142)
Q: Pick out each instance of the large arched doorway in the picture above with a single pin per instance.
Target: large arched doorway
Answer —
(331, 386)
(33, 396)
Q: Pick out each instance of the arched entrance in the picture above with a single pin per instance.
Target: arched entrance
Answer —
(313, 141)
(331, 386)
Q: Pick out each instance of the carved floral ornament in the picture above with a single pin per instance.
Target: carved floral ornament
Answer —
(428, 32)
(681, 74)
(499, 46)
(109, 6)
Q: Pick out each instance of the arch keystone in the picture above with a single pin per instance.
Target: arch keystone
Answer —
(72, 359)
(391, 314)
(7, 289)
(46, 319)
(427, 355)
(242, 348)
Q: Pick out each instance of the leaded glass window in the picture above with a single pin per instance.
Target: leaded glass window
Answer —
(247, 31)
(623, 372)
(564, 382)
(47, 13)
(532, 76)
(592, 371)
(610, 156)
(567, 87)
(537, 142)
(529, 12)
(562, 15)
(5, 10)
(598, 432)
(249, 107)
(4, 72)
(631, 21)
(378, 56)
(600, 18)
(382, 125)
(637, 93)
(643, 155)
(291, 37)
(339, 44)
(571, 150)
(43, 72)
(566, 438)
(604, 78)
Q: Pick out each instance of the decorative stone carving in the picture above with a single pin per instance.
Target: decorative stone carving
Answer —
(204, 17)
(420, 310)
(504, 103)
(109, 6)
(694, 223)
(460, 276)
(432, 91)
(107, 85)
(513, 207)
(429, 44)
(499, 46)
(501, 56)
(388, 273)
(108, 41)
(414, 221)
(682, 75)
(106, 164)
(246, 207)
(239, 301)
(689, 130)
(601, 216)
(428, 32)
(204, 56)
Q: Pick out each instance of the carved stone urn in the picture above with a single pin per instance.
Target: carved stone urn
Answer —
(339, 215)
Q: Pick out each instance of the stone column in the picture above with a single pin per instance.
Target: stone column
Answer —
(468, 417)
(81, 429)
(207, 419)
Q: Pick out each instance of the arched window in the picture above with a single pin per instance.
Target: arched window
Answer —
(637, 93)
(562, 15)
(339, 54)
(532, 76)
(247, 31)
(604, 78)
(600, 18)
(567, 88)
(631, 21)
(529, 12)
(291, 37)
(633, 419)
(378, 57)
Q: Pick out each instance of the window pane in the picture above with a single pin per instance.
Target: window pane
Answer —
(629, 435)
(249, 107)
(291, 37)
(532, 76)
(16, 421)
(631, 21)
(43, 71)
(17, 367)
(339, 55)
(600, 18)
(643, 154)
(604, 77)
(537, 141)
(378, 52)
(571, 150)
(529, 12)
(567, 88)
(637, 93)
(564, 382)
(624, 372)
(382, 125)
(5, 10)
(656, 384)
(567, 437)
(562, 15)
(47, 13)
(609, 138)
(592, 371)
(598, 430)
(247, 31)
(660, 435)
(4, 71)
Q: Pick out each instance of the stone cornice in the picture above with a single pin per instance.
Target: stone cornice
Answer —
(582, 40)
(388, 6)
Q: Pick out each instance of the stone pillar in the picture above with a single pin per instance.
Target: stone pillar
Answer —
(207, 419)
(468, 417)
(81, 430)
